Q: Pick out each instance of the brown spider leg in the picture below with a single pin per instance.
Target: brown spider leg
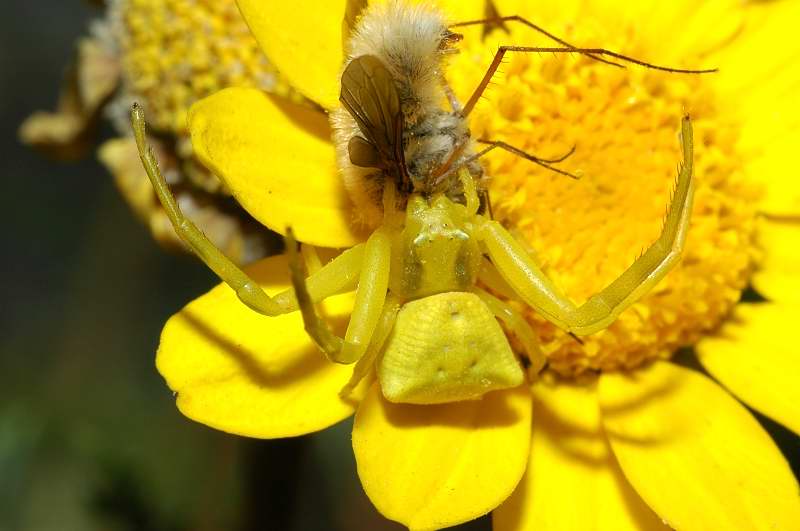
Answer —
(501, 52)
(498, 20)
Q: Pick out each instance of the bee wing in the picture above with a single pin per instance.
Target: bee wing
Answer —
(370, 96)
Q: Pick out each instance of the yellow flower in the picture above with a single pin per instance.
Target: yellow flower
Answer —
(615, 436)
(165, 54)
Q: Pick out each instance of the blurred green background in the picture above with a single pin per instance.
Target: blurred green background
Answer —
(89, 434)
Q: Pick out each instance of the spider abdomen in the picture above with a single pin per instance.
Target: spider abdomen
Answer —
(444, 348)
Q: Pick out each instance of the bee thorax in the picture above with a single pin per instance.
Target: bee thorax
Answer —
(407, 39)
(430, 142)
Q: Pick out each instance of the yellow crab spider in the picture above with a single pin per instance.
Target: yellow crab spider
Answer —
(419, 315)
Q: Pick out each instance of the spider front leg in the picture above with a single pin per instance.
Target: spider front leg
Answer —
(338, 276)
(370, 297)
(601, 309)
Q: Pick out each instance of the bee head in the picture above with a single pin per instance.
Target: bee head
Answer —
(448, 42)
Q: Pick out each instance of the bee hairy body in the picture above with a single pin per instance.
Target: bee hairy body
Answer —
(411, 43)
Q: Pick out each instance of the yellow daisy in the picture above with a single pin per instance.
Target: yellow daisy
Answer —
(165, 54)
(615, 435)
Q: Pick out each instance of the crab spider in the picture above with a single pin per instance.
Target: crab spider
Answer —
(419, 313)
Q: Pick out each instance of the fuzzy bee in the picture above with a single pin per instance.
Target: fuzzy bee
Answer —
(421, 319)
(391, 125)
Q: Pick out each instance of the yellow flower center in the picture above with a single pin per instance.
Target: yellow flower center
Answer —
(175, 52)
(623, 124)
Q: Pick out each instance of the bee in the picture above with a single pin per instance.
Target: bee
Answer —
(391, 127)
(421, 318)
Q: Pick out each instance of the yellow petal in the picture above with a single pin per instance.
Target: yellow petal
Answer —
(549, 15)
(460, 10)
(694, 454)
(453, 10)
(429, 467)
(750, 61)
(304, 42)
(573, 480)
(277, 161)
(692, 29)
(770, 167)
(752, 357)
(778, 275)
(639, 28)
(244, 373)
(759, 83)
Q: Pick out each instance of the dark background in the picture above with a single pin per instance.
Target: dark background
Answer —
(89, 434)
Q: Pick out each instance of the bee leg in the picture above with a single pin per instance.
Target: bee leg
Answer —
(545, 163)
(494, 144)
(370, 296)
(498, 21)
(524, 154)
(518, 326)
(590, 52)
(532, 285)
(485, 203)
